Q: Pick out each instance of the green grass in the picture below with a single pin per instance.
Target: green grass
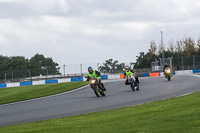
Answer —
(176, 115)
(15, 94)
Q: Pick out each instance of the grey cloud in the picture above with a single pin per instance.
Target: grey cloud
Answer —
(75, 31)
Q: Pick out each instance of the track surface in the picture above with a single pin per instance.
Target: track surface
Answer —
(84, 101)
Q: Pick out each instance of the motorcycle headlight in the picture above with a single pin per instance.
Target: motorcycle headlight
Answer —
(168, 71)
(92, 81)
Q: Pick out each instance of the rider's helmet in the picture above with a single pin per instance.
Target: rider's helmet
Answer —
(90, 69)
(127, 68)
(166, 64)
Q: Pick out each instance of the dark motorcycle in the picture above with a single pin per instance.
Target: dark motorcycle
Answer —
(132, 82)
(96, 86)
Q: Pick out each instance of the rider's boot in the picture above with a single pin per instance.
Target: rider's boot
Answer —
(103, 86)
(136, 85)
(126, 82)
(137, 80)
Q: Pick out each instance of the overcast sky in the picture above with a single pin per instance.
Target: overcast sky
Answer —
(92, 31)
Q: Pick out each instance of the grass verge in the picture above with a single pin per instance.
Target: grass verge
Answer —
(176, 115)
(15, 94)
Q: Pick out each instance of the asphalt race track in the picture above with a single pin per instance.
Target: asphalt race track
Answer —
(85, 101)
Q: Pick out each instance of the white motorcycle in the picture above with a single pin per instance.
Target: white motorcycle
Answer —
(132, 82)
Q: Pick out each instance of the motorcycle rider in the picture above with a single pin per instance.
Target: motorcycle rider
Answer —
(95, 73)
(129, 71)
(165, 66)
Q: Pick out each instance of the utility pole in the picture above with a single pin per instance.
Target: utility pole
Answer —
(160, 62)
(81, 69)
(12, 76)
(194, 61)
(97, 66)
(30, 71)
(47, 71)
(182, 62)
(170, 60)
(64, 70)
(5, 77)
(163, 52)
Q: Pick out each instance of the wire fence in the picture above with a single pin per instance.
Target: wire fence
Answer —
(66, 71)
(80, 70)
(186, 62)
(179, 63)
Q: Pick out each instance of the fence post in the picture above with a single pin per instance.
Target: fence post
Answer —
(193, 61)
(5, 77)
(182, 62)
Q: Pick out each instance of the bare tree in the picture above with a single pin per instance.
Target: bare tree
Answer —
(171, 47)
(189, 46)
(179, 47)
(198, 44)
(153, 48)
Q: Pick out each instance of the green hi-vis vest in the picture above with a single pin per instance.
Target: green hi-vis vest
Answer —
(129, 73)
(93, 75)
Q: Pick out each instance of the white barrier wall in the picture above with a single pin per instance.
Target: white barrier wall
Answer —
(64, 80)
(184, 72)
(84, 79)
(13, 84)
(41, 82)
(114, 76)
(161, 73)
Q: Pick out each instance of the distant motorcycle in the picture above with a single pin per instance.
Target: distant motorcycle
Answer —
(96, 86)
(168, 73)
(132, 82)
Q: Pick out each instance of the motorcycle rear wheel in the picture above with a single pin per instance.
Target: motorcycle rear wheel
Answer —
(103, 93)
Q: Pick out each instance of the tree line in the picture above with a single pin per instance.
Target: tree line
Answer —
(20, 67)
(112, 66)
(185, 48)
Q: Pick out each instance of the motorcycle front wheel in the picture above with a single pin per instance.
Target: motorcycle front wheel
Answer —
(138, 88)
(132, 86)
(96, 91)
(169, 78)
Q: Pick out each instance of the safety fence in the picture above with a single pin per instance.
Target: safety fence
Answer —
(182, 72)
(103, 77)
(79, 70)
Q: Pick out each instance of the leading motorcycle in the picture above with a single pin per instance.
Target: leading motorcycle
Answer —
(168, 73)
(96, 86)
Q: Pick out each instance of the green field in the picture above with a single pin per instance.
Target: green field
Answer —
(15, 94)
(176, 115)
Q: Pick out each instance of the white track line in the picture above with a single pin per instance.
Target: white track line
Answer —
(196, 76)
(52, 95)
(186, 94)
(46, 96)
